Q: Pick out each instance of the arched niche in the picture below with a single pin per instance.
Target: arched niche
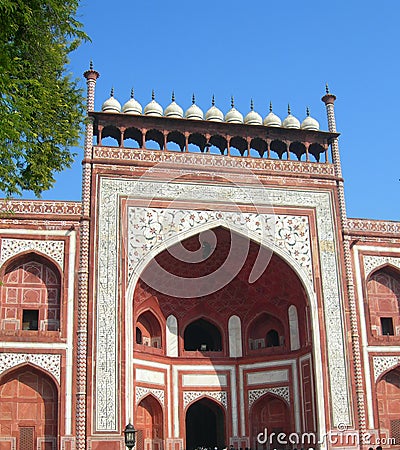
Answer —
(202, 335)
(388, 404)
(149, 423)
(273, 414)
(383, 292)
(29, 401)
(235, 337)
(293, 328)
(30, 294)
(172, 336)
(205, 425)
(266, 331)
(148, 330)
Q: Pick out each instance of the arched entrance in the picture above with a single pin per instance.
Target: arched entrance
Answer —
(205, 425)
(28, 409)
(388, 396)
(272, 414)
(202, 335)
(149, 423)
(202, 341)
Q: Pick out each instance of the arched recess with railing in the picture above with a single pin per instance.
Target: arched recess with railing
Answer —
(148, 331)
(30, 294)
(383, 294)
(202, 335)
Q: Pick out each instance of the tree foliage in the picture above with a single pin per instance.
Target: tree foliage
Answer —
(41, 105)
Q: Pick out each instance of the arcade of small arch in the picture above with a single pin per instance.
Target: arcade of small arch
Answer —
(256, 147)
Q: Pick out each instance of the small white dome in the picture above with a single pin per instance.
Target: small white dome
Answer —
(153, 108)
(214, 114)
(194, 112)
(111, 105)
(309, 123)
(233, 115)
(272, 120)
(132, 106)
(252, 117)
(173, 110)
(291, 121)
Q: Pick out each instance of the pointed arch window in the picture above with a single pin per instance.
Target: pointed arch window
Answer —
(30, 295)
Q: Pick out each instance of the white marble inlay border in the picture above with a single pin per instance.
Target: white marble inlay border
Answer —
(107, 287)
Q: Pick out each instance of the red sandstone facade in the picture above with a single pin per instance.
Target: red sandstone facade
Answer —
(208, 287)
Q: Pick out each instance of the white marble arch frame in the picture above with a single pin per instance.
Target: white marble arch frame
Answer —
(268, 243)
(107, 415)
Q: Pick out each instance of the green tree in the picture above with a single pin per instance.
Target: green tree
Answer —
(41, 105)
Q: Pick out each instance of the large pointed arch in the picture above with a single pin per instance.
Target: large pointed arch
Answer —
(270, 246)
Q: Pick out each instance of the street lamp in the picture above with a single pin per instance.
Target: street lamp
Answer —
(130, 436)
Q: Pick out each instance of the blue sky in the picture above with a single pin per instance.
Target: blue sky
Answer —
(282, 52)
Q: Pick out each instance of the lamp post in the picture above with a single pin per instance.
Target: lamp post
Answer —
(130, 436)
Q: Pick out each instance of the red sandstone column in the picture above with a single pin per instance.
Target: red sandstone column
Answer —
(329, 100)
(83, 271)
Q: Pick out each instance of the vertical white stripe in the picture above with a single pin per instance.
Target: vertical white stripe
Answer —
(364, 342)
(70, 333)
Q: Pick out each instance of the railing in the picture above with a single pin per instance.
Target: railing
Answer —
(192, 136)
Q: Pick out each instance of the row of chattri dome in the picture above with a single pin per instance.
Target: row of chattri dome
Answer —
(173, 110)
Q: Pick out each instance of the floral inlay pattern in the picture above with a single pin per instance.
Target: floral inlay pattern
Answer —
(152, 227)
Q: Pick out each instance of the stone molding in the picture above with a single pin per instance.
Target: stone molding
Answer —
(373, 226)
(213, 161)
(39, 207)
